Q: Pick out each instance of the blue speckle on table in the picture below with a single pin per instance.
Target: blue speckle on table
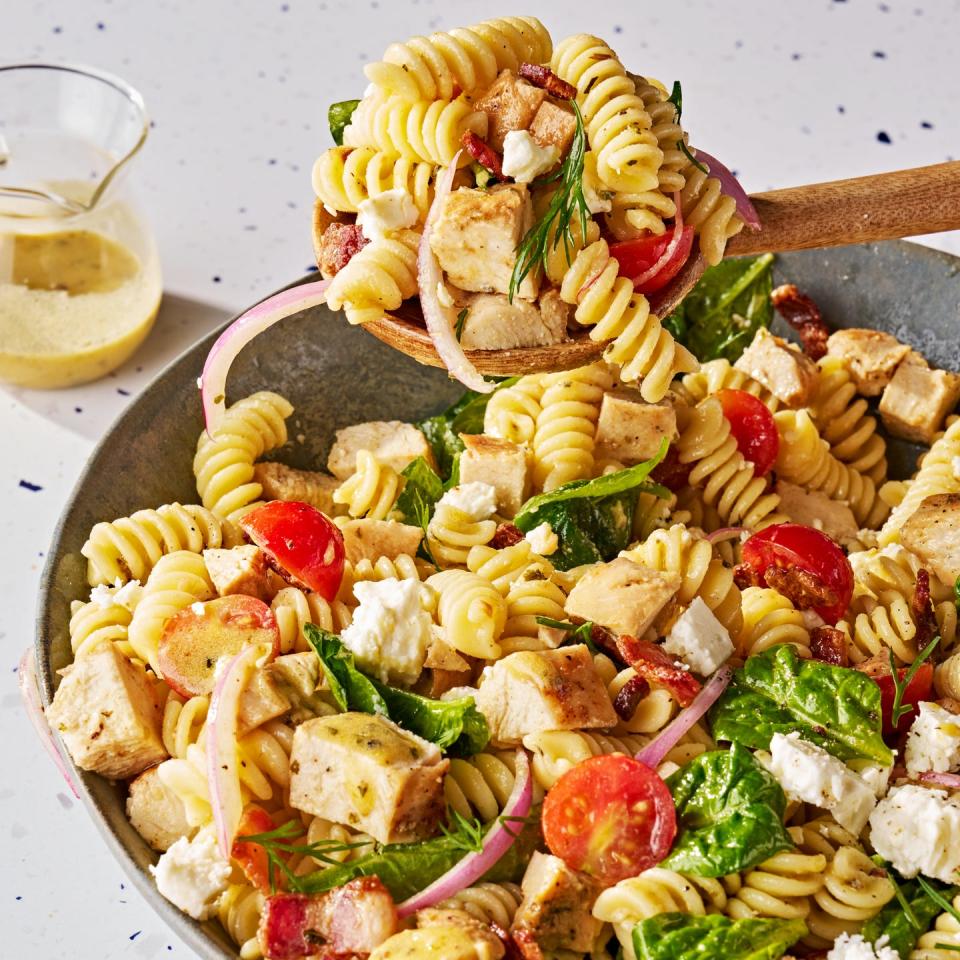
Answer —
(216, 279)
(926, 124)
(122, 392)
(101, 25)
(133, 936)
(19, 898)
(284, 7)
(841, 108)
(884, 137)
(32, 487)
(272, 162)
(78, 409)
(58, 29)
(883, 8)
(879, 55)
(312, 268)
(617, 28)
(795, 56)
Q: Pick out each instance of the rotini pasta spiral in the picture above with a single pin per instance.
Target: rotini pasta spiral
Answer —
(711, 213)
(465, 60)
(503, 568)
(294, 609)
(178, 579)
(729, 485)
(939, 943)
(656, 891)
(512, 411)
(372, 490)
(343, 177)
(471, 612)
(616, 121)
(480, 786)
(452, 533)
(487, 902)
(224, 462)
(183, 719)
(769, 618)
(651, 714)
(642, 348)
(93, 623)
(946, 677)
(805, 459)
(323, 832)
(559, 255)
(238, 911)
(842, 419)
(563, 439)
(377, 279)
(936, 475)
(780, 887)
(401, 567)
(885, 623)
(720, 374)
(127, 549)
(417, 130)
(702, 574)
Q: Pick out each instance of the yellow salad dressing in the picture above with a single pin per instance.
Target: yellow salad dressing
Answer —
(75, 301)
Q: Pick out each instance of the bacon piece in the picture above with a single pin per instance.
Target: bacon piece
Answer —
(354, 918)
(829, 645)
(526, 944)
(251, 856)
(921, 606)
(546, 79)
(805, 590)
(506, 535)
(338, 245)
(483, 153)
(653, 664)
(629, 696)
(804, 316)
(673, 474)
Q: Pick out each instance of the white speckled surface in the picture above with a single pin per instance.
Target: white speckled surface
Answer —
(238, 91)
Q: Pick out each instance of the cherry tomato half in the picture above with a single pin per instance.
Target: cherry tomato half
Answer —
(919, 688)
(611, 817)
(636, 257)
(250, 856)
(306, 545)
(792, 546)
(753, 427)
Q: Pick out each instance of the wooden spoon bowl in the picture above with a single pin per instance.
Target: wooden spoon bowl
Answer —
(880, 207)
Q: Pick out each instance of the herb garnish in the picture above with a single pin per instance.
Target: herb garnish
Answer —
(900, 685)
(461, 320)
(956, 592)
(937, 897)
(579, 632)
(898, 893)
(567, 202)
(676, 98)
(685, 150)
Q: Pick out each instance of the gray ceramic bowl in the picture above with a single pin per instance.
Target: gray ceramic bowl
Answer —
(336, 375)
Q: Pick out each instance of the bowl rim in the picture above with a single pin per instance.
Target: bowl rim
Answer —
(193, 932)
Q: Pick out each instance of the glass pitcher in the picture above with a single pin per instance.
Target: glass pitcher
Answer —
(79, 274)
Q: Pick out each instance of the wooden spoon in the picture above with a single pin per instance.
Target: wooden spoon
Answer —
(884, 206)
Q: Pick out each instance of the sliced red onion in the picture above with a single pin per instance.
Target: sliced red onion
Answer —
(670, 250)
(725, 533)
(498, 840)
(223, 771)
(654, 752)
(731, 187)
(213, 380)
(949, 780)
(441, 320)
(30, 694)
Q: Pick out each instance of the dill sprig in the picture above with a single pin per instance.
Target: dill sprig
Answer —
(900, 686)
(938, 898)
(685, 150)
(579, 632)
(567, 202)
(461, 320)
(676, 98)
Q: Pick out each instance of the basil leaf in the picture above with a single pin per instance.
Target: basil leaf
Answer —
(422, 488)
(680, 936)
(455, 726)
(729, 814)
(776, 692)
(592, 519)
(465, 416)
(892, 921)
(721, 314)
(339, 116)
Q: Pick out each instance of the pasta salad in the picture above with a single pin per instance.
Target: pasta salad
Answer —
(572, 668)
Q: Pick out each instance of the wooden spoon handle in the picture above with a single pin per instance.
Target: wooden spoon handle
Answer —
(881, 207)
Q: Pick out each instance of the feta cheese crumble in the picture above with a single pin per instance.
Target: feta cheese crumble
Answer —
(853, 947)
(386, 212)
(524, 159)
(478, 499)
(699, 639)
(934, 740)
(808, 773)
(125, 595)
(192, 874)
(390, 630)
(543, 540)
(916, 830)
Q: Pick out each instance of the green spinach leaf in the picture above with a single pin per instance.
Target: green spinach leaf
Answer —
(592, 518)
(776, 692)
(339, 116)
(729, 814)
(893, 923)
(720, 315)
(455, 726)
(422, 488)
(680, 936)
